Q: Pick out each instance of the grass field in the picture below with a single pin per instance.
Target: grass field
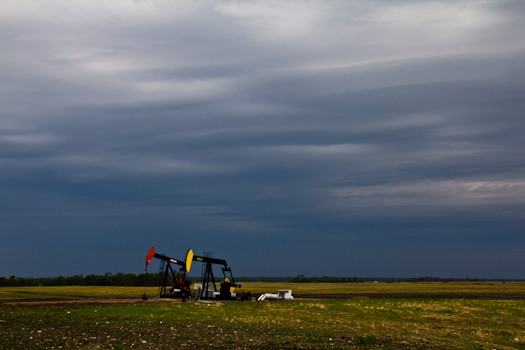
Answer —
(456, 288)
(357, 323)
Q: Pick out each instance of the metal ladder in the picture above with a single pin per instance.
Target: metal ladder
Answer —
(161, 274)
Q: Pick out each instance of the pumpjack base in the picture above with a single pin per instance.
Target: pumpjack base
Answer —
(174, 296)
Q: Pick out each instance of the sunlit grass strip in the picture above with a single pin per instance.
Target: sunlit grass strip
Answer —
(74, 292)
(458, 288)
(424, 288)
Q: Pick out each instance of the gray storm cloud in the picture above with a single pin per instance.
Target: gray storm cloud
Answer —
(330, 128)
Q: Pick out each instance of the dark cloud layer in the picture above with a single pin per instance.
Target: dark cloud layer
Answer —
(342, 138)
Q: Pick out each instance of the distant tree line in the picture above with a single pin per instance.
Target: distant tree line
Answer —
(325, 279)
(330, 279)
(108, 279)
(438, 279)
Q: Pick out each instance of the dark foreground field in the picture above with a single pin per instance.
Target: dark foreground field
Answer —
(355, 323)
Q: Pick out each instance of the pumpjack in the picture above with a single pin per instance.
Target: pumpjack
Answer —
(227, 286)
(181, 287)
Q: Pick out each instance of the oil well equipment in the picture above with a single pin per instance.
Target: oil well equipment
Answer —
(181, 287)
(208, 290)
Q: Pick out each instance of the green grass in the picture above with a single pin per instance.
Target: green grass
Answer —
(356, 323)
(326, 324)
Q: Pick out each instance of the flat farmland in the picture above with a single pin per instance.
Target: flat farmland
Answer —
(357, 322)
(490, 290)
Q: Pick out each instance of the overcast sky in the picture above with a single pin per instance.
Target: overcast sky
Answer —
(341, 138)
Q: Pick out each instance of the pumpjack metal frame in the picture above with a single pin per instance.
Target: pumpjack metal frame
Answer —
(208, 279)
(181, 288)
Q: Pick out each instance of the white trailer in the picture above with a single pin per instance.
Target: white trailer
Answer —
(284, 294)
